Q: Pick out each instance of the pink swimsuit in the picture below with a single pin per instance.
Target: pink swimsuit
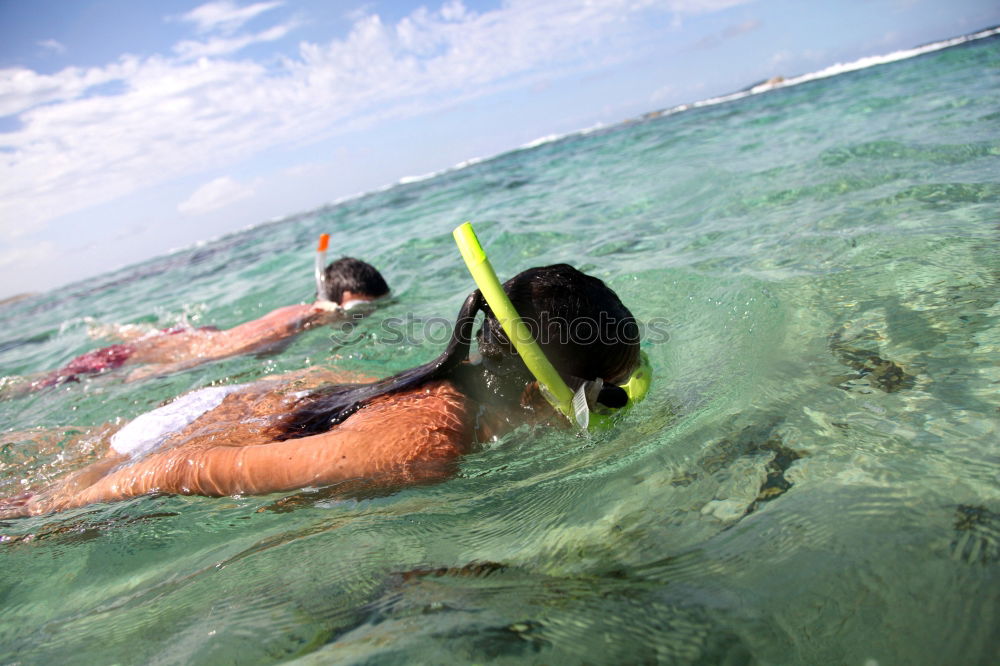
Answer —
(107, 358)
(92, 362)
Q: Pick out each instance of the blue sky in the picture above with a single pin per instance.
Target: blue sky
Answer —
(131, 128)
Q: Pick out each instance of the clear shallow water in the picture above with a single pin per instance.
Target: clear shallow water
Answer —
(814, 478)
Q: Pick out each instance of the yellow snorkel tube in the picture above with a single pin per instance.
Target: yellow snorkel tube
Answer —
(571, 405)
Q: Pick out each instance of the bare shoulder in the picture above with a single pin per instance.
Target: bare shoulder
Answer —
(432, 421)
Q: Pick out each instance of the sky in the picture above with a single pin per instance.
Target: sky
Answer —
(129, 129)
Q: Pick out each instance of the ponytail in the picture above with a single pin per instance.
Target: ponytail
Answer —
(324, 409)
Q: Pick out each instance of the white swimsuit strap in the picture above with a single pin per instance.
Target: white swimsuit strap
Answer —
(148, 431)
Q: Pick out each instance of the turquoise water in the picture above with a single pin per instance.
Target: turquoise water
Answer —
(814, 478)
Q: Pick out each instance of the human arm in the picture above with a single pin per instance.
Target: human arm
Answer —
(273, 327)
(402, 438)
(171, 354)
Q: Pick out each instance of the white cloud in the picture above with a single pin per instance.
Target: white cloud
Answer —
(453, 10)
(22, 89)
(52, 45)
(214, 195)
(225, 16)
(173, 116)
(191, 50)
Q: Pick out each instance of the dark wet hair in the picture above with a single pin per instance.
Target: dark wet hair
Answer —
(350, 274)
(581, 324)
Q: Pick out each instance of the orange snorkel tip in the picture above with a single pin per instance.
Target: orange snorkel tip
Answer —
(320, 266)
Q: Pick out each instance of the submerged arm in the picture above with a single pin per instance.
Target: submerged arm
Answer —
(202, 347)
(272, 327)
(404, 438)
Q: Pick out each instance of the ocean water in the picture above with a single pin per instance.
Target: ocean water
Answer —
(815, 477)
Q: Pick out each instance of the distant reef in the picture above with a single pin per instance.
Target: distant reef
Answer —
(760, 86)
(765, 85)
(14, 299)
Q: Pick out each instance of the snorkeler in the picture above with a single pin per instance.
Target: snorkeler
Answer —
(409, 428)
(344, 284)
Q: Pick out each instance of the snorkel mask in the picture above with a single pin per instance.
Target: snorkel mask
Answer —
(579, 406)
